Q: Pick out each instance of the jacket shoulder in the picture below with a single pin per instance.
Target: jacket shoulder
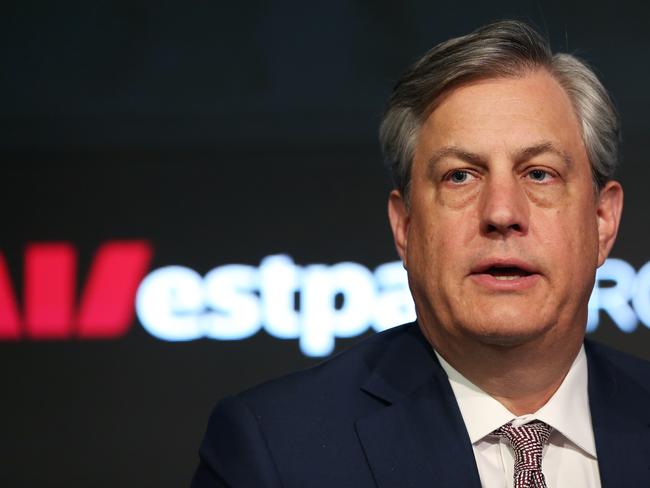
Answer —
(269, 434)
(637, 369)
(336, 377)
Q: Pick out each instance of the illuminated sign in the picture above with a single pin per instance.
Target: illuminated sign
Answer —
(313, 303)
(106, 305)
(623, 293)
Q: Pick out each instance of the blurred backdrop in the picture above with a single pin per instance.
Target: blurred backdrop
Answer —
(192, 202)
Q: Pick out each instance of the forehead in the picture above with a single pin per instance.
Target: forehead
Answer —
(493, 115)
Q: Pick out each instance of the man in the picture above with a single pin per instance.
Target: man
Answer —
(502, 156)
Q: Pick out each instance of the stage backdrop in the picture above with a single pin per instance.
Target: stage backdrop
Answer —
(193, 202)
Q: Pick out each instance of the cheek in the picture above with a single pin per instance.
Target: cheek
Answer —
(422, 243)
(582, 224)
(569, 235)
(437, 242)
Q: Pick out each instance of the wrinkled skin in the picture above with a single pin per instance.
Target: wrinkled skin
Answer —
(501, 175)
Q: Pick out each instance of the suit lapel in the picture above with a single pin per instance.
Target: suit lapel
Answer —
(418, 439)
(620, 413)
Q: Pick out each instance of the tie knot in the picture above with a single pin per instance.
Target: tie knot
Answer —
(526, 436)
(528, 442)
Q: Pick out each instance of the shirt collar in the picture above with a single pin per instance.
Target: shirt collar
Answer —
(567, 411)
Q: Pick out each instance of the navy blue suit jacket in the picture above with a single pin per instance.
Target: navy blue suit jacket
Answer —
(383, 414)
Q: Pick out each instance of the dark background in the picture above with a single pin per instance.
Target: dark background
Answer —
(224, 133)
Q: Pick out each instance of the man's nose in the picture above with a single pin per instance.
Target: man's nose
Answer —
(504, 207)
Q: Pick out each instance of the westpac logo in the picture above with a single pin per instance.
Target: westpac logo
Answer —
(50, 309)
(313, 304)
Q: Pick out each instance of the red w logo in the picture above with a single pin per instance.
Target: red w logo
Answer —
(106, 306)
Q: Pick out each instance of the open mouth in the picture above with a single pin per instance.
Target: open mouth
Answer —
(507, 273)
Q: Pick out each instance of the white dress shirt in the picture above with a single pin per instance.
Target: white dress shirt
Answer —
(568, 460)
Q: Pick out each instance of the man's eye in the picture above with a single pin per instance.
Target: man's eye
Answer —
(538, 175)
(459, 176)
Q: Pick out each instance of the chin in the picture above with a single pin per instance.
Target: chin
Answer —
(507, 340)
(506, 330)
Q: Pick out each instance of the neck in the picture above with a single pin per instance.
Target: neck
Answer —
(522, 377)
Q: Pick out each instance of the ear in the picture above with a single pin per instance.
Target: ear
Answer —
(399, 222)
(610, 207)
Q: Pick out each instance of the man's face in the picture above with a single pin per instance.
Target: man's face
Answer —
(504, 229)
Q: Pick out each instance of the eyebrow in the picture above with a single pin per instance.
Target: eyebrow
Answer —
(541, 148)
(519, 156)
(456, 152)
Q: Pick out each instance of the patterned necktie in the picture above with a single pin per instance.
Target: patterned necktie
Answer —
(528, 441)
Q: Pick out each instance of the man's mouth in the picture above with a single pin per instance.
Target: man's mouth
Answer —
(507, 273)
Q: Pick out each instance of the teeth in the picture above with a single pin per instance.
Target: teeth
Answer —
(507, 277)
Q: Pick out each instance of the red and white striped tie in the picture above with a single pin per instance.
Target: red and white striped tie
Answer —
(528, 441)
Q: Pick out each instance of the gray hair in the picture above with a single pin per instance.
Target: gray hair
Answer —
(503, 49)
